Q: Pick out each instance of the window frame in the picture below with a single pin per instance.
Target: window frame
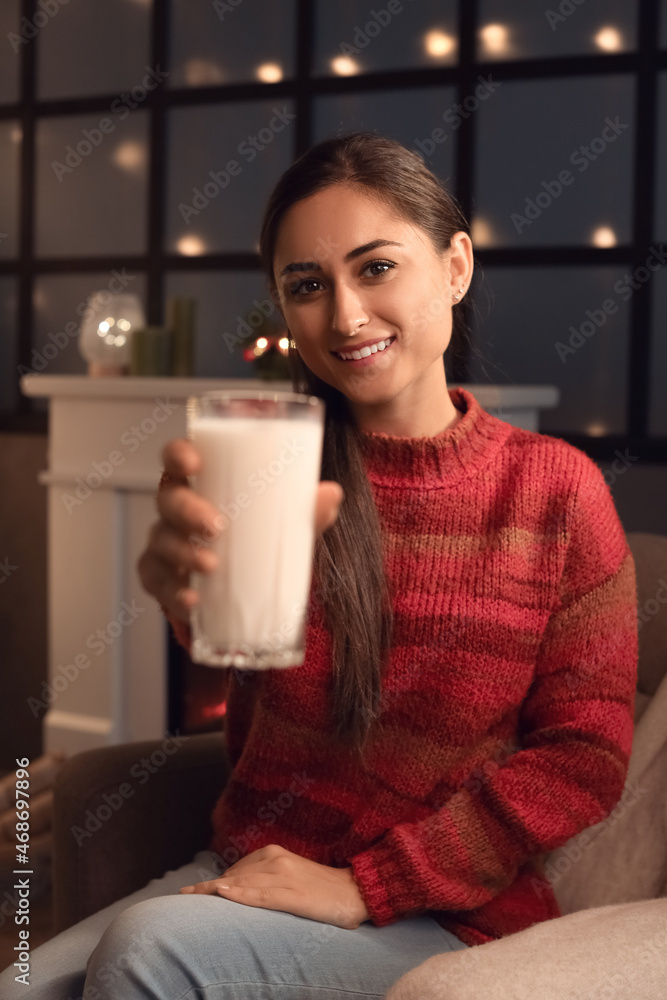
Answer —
(644, 65)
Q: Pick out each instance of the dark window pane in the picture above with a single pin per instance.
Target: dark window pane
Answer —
(661, 166)
(414, 117)
(12, 44)
(230, 308)
(554, 163)
(663, 26)
(10, 153)
(565, 326)
(351, 37)
(94, 48)
(658, 410)
(223, 161)
(217, 43)
(91, 185)
(9, 377)
(527, 30)
(59, 302)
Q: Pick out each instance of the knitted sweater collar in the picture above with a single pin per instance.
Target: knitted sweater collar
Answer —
(453, 454)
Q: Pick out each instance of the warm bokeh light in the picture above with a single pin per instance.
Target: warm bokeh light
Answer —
(202, 73)
(604, 236)
(269, 73)
(438, 43)
(191, 246)
(481, 232)
(283, 344)
(16, 133)
(596, 430)
(344, 66)
(262, 342)
(609, 39)
(495, 39)
(130, 155)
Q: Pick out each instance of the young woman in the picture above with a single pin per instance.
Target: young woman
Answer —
(465, 703)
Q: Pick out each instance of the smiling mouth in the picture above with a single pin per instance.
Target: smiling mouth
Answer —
(365, 352)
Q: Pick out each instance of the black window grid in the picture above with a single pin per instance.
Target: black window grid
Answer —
(644, 65)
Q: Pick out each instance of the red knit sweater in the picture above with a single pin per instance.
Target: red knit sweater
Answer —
(508, 707)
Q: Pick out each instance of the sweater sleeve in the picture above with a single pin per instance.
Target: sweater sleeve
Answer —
(574, 736)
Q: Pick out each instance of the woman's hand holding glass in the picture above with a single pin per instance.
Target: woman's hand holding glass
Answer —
(174, 548)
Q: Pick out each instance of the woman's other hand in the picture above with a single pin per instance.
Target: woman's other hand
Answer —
(276, 879)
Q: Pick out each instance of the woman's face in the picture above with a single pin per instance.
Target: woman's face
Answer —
(339, 290)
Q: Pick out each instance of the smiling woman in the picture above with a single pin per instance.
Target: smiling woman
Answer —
(472, 612)
(354, 301)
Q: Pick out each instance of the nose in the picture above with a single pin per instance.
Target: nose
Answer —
(349, 313)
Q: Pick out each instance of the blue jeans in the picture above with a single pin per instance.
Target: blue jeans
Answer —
(158, 944)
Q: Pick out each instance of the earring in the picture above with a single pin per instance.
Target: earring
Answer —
(461, 291)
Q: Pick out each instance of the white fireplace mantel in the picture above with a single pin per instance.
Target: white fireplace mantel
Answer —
(107, 638)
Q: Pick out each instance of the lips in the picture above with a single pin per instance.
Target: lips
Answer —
(365, 351)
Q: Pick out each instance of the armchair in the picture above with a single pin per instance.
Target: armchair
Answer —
(611, 884)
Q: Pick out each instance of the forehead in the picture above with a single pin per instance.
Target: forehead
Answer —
(339, 217)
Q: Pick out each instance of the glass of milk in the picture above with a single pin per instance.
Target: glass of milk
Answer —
(261, 455)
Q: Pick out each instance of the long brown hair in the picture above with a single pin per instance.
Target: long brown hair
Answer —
(348, 567)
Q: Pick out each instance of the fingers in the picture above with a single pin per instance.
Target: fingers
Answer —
(189, 514)
(205, 888)
(327, 504)
(180, 459)
(168, 585)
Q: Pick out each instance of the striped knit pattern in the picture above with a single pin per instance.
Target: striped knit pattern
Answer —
(507, 709)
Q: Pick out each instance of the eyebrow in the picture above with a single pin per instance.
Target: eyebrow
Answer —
(313, 265)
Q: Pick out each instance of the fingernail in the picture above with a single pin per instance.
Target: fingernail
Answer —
(221, 887)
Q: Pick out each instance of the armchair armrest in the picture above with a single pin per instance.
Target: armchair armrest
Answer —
(126, 814)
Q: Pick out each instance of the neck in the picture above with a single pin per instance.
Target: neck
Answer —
(427, 416)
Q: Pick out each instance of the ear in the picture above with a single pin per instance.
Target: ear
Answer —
(461, 263)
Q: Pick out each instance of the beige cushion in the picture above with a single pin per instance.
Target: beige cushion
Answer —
(610, 953)
(624, 857)
(650, 555)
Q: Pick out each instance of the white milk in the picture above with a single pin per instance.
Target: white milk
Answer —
(262, 474)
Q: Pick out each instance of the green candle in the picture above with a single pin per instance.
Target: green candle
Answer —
(181, 312)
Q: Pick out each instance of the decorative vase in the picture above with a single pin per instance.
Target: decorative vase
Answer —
(106, 332)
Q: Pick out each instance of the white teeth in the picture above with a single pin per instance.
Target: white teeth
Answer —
(366, 352)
